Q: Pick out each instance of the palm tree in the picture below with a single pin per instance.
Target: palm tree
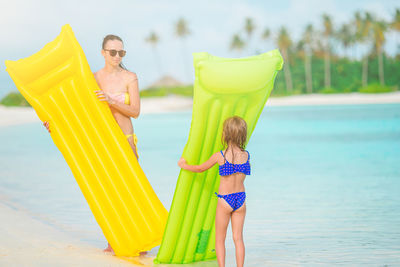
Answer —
(237, 43)
(345, 36)
(308, 38)
(284, 42)
(363, 36)
(182, 31)
(249, 28)
(366, 27)
(153, 40)
(299, 50)
(328, 30)
(358, 22)
(379, 28)
(266, 34)
(395, 25)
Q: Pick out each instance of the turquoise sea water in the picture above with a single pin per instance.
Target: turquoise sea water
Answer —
(324, 189)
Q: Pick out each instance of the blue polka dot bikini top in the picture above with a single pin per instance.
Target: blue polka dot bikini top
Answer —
(230, 168)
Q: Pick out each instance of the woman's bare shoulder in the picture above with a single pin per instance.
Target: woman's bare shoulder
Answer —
(129, 76)
(97, 74)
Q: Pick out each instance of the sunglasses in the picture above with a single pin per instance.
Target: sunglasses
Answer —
(114, 52)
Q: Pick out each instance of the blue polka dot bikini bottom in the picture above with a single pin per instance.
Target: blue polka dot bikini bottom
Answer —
(235, 200)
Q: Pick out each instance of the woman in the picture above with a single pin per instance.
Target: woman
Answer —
(119, 87)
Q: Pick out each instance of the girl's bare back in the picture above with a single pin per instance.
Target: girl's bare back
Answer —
(234, 182)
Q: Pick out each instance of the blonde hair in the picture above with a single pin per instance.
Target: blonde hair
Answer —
(234, 132)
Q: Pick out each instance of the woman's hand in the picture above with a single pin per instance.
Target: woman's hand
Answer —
(182, 162)
(46, 124)
(103, 96)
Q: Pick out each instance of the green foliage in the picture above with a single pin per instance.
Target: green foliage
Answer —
(183, 91)
(352, 87)
(345, 75)
(14, 99)
(154, 92)
(329, 90)
(377, 88)
(164, 91)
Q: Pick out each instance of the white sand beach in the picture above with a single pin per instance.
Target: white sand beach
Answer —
(335, 99)
(26, 241)
(21, 115)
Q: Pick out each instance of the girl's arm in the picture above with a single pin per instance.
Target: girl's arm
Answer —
(199, 168)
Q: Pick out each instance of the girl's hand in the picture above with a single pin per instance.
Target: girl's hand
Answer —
(46, 124)
(103, 96)
(182, 162)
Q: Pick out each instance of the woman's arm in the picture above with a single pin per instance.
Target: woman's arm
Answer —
(131, 110)
(199, 168)
(47, 125)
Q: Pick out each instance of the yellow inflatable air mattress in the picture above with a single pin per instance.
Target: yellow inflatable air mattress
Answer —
(58, 83)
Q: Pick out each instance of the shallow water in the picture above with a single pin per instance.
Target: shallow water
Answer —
(324, 189)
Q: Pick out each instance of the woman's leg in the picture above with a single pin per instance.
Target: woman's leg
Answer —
(108, 249)
(237, 233)
(222, 217)
(132, 144)
(130, 140)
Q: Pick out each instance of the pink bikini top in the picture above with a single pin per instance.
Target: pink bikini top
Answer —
(121, 98)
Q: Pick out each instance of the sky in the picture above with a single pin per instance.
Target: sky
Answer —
(27, 25)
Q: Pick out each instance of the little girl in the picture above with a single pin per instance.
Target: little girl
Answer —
(234, 165)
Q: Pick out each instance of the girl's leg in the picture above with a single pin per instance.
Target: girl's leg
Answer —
(222, 217)
(237, 233)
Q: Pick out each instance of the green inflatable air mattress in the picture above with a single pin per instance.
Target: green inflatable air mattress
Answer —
(223, 87)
